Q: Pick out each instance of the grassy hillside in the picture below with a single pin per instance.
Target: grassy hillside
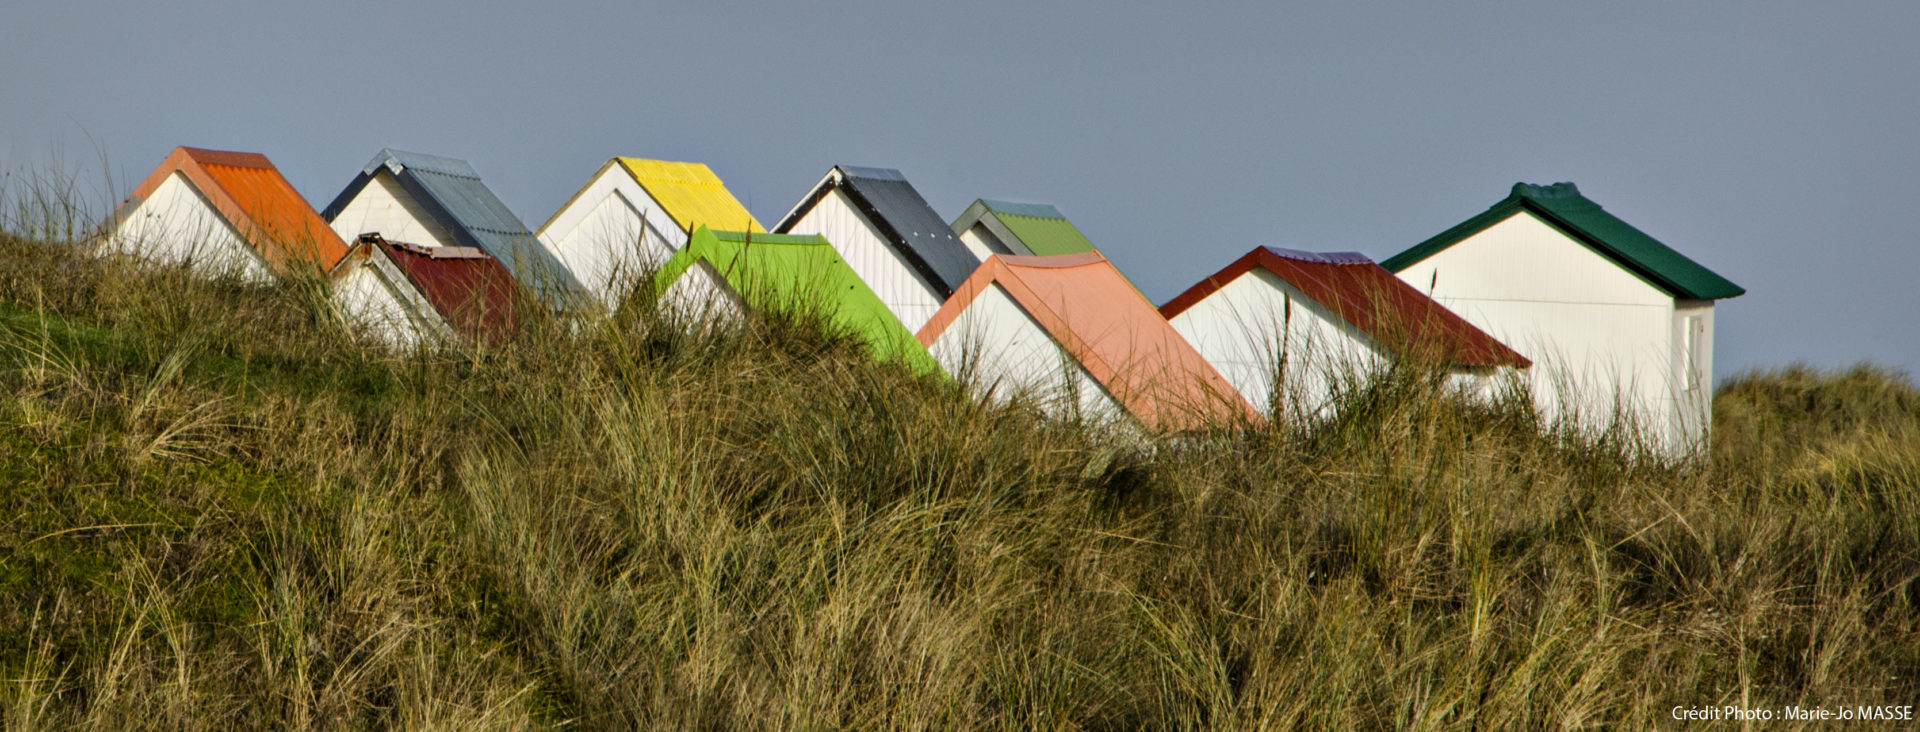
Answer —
(221, 508)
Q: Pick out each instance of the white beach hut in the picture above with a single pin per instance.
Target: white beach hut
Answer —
(881, 226)
(1618, 325)
(632, 215)
(1291, 329)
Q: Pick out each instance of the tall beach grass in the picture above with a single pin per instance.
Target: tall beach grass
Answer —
(224, 508)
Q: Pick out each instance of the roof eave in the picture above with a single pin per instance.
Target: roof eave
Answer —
(1516, 204)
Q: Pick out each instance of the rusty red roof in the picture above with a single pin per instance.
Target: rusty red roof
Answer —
(259, 202)
(1096, 315)
(467, 286)
(1369, 298)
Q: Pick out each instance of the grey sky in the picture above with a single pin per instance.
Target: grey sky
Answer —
(1771, 142)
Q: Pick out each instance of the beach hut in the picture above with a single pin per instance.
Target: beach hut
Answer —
(634, 214)
(1618, 325)
(725, 273)
(1317, 323)
(433, 201)
(990, 227)
(1071, 332)
(220, 211)
(889, 235)
(413, 295)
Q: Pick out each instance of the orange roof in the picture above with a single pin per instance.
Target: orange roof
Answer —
(260, 204)
(1095, 313)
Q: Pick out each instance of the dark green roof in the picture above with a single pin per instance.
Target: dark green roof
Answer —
(1562, 206)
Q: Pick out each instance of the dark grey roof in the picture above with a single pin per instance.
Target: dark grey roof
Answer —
(453, 194)
(913, 226)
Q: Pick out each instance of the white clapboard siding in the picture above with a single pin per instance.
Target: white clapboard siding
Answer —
(384, 208)
(872, 257)
(601, 238)
(178, 225)
(1605, 343)
(999, 350)
(1253, 324)
(375, 295)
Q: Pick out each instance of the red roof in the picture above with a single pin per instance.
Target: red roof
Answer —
(468, 287)
(260, 204)
(1368, 297)
(1094, 312)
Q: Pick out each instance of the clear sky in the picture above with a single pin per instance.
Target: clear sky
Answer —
(1772, 142)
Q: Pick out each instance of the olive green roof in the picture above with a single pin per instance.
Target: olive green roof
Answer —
(1041, 227)
(773, 270)
(1562, 206)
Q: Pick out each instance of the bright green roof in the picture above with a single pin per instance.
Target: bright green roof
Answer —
(769, 270)
(1562, 206)
(1041, 227)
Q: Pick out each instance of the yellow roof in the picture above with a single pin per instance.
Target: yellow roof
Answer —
(692, 195)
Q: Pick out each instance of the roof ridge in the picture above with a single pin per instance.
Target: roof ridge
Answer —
(423, 162)
(234, 158)
(1019, 208)
(1337, 258)
(1562, 207)
(665, 170)
(1052, 261)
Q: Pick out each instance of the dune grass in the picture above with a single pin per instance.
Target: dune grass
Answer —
(222, 508)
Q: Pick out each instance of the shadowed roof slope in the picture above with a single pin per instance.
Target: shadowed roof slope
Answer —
(1093, 313)
(784, 270)
(451, 191)
(251, 194)
(1562, 206)
(1369, 298)
(885, 197)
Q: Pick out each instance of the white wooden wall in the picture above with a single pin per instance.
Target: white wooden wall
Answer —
(598, 235)
(383, 207)
(375, 295)
(178, 225)
(1693, 370)
(871, 257)
(984, 244)
(1602, 340)
(999, 351)
(701, 296)
(1243, 329)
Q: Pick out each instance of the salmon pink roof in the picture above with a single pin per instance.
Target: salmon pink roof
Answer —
(1369, 298)
(260, 204)
(1096, 315)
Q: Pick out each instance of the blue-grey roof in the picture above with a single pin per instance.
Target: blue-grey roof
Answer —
(912, 226)
(1037, 210)
(453, 194)
(1321, 257)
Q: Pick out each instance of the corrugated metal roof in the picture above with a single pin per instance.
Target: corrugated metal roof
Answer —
(1562, 206)
(1045, 236)
(469, 288)
(691, 194)
(453, 193)
(799, 269)
(1369, 298)
(1096, 315)
(249, 191)
(910, 225)
(1036, 210)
